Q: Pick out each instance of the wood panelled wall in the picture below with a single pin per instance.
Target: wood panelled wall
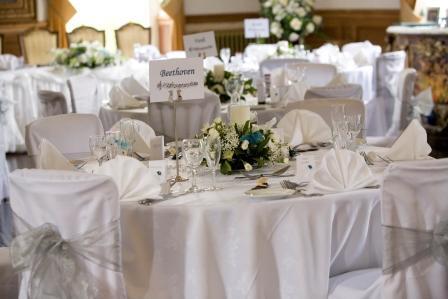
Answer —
(339, 26)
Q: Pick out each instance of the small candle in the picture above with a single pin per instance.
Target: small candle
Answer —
(218, 71)
(239, 114)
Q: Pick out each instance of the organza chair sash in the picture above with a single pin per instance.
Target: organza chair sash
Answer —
(405, 247)
(58, 266)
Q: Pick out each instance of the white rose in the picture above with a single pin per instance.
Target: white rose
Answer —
(247, 166)
(267, 3)
(317, 20)
(276, 29)
(295, 24)
(244, 145)
(301, 12)
(277, 9)
(293, 37)
(310, 27)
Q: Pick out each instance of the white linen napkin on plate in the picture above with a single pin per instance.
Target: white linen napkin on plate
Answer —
(51, 158)
(411, 145)
(340, 171)
(120, 99)
(134, 180)
(303, 126)
(133, 87)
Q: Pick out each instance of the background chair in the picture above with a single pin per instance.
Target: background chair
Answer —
(69, 133)
(270, 64)
(36, 46)
(84, 94)
(318, 74)
(53, 103)
(67, 197)
(192, 115)
(87, 34)
(413, 204)
(130, 34)
(346, 91)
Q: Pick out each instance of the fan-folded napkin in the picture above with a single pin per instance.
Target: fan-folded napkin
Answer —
(340, 171)
(51, 158)
(120, 99)
(411, 145)
(134, 180)
(133, 87)
(303, 126)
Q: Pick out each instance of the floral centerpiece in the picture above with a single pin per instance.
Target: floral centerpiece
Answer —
(291, 19)
(85, 55)
(243, 147)
(216, 81)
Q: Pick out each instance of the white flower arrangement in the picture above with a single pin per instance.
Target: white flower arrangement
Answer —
(84, 55)
(291, 20)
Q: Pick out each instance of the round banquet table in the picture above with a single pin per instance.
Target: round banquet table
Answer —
(224, 244)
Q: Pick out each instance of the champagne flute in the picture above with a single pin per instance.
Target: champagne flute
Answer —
(233, 87)
(339, 124)
(194, 154)
(212, 151)
(225, 53)
(98, 147)
(354, 128)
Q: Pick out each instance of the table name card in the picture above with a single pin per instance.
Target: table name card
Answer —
(200, 44)
(256, 28)
(186, 75)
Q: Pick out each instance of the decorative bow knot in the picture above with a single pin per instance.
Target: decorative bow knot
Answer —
(405, 247)
(57, 267)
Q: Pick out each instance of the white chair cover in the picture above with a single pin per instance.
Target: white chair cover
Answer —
(388, 69)
(318, 74)
(413, 206)
(176, 54)
(10, 62)
(84, 94)
(259, 52)
(270, 64)
(371, 51)
(64, 199)
(3, 169)
(323, 108)
(346, 91)
(53, 103)
(192, 115)
(67, 132)
(9, 280)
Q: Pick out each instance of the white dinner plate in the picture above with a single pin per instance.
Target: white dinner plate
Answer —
(270, 193)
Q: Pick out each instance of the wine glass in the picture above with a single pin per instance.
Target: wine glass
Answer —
(339, 124)
(233, 87)
(212, 152)
(225, 53)
(98, 147)
(194, 154)
(354, 127)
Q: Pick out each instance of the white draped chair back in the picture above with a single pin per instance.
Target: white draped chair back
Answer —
(371, 51)
(3, 169)
(52, 102)
(323, 108)
(388, 69)
(69, 133)
(345, 91)
(75, 203)
(318, 74)
(84, 94)
(192, 115)
(270, 64)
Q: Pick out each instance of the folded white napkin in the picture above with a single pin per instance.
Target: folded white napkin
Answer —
(10, 62)
(120, 99)
(131, 86)
(423, 102)
(134, 180)
(143, 136)
(411, 145)
(51, 158)
(339, 171)
(303, 126)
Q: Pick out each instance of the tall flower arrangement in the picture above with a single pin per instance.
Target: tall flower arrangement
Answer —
(291, 20)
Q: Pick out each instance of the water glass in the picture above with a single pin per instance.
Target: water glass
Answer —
(193, 152)
(233, 87)
(225, 53)
(339, 126)
(98, 147)
(212, 152)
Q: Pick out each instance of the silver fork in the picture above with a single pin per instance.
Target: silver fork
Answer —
(277, 173)
(291, 185)
(366, 158)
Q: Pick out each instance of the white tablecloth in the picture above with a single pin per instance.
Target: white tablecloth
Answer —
(226, 245)
(22, 86)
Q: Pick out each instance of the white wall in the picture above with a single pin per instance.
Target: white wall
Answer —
(204, 7)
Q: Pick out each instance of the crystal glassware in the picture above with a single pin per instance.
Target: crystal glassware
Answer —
(339, 126)
(225, 53)
(193, 152)
(212, 152)
(98, 147)
(233, 87)
(354, 127)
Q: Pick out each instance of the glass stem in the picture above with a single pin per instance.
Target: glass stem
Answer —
(214, 178)
(193, 183)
